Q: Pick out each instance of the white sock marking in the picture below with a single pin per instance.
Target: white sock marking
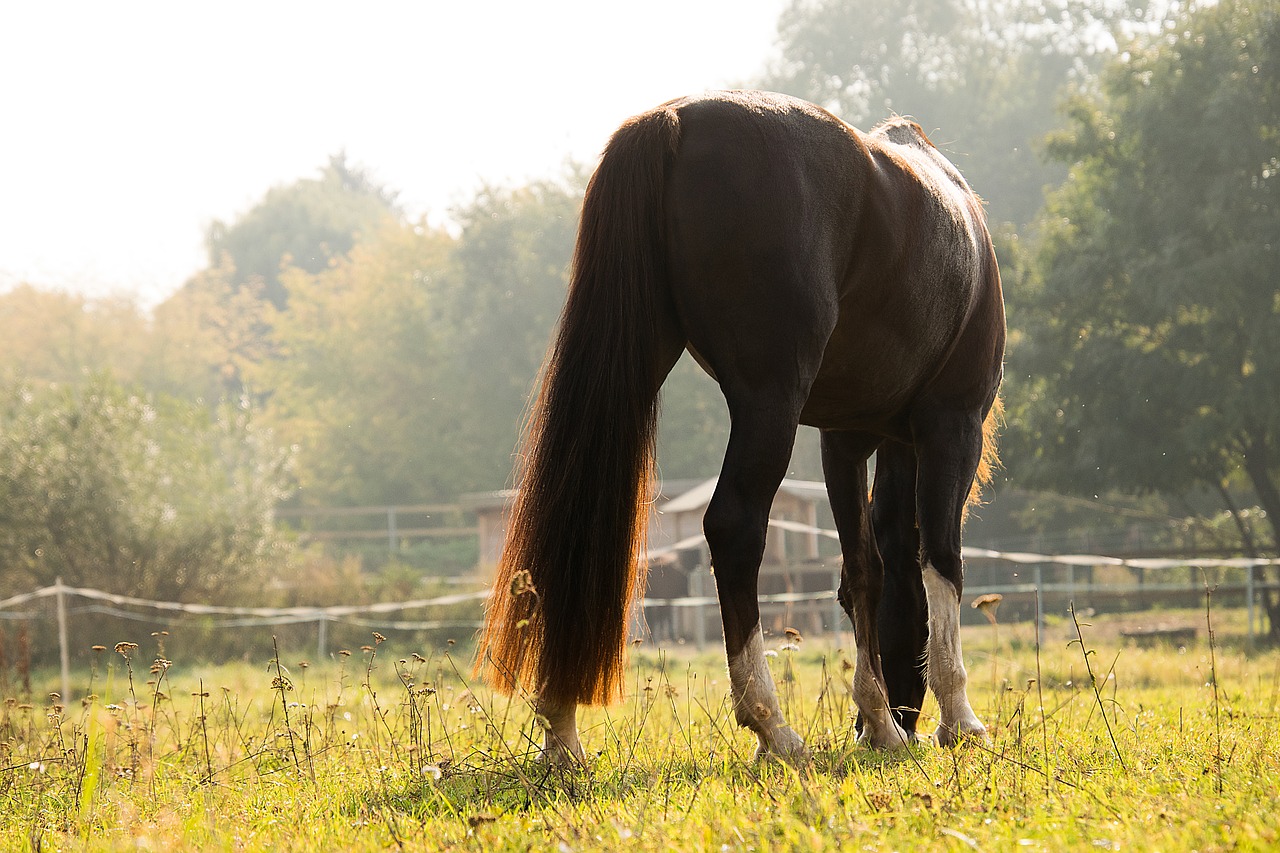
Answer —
(755, 699)
(944, 665)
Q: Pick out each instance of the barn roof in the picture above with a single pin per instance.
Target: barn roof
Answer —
(699, 496)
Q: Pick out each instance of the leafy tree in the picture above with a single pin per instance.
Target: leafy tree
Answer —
(103, 485)
(512, 263)
(1150, 335)
(510, 272)
(209, 337)
(307, 225)
(356, 381)
(983, 76)
(57, 337)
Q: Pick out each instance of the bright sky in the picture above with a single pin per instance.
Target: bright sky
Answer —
(126, 128)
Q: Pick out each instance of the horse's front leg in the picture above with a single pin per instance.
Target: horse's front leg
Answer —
(844, 462)
(948, 446)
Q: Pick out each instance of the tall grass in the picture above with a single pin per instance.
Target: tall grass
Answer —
(1110, 747)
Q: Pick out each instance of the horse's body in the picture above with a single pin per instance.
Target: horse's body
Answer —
(822, 276)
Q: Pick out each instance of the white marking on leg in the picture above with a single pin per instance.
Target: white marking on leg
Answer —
(879, 729)
(944, 665)
(560, 743)
(755, 701)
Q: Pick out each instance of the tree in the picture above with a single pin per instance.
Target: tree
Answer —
(209, 337)
(51, 336)
(511, 265)
(982, 76)
(306, 225)
(1151, 325)
(356, 377)
(510, 274)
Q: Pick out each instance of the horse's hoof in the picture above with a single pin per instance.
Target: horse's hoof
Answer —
(784, 744)
(962, 730)
(562, 762)
(893, 739)
(561, 757)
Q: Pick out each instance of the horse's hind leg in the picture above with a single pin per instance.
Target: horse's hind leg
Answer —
(844, 461)
(948, 447)
(735, 523)
(560, 744)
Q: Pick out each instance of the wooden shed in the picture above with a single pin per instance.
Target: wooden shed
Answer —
(795, 561)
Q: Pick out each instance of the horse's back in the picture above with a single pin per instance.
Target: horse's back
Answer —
(785, 225)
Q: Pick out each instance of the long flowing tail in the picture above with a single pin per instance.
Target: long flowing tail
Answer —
(556, 622)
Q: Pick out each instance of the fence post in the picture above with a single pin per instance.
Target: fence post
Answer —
(391, 530)
(1248, 597)
(1039, 577)
(322, 636)
(64, 651)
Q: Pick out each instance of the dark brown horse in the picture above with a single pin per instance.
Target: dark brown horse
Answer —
(821, 276)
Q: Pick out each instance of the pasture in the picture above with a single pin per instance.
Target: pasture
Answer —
(392, 747)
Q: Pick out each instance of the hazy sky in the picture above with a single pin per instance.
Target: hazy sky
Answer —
(126, 127)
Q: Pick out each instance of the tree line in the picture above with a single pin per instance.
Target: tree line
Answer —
(336, 351)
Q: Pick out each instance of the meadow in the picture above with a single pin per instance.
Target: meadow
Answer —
(1096, 744)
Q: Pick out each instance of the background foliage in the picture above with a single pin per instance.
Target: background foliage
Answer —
(102, 484)
(394, 359)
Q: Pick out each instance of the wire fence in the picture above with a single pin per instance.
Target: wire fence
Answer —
(1035, 584)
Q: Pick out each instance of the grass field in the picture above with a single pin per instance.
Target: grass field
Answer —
(393, 747)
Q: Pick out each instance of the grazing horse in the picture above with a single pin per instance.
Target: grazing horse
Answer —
(821, 276)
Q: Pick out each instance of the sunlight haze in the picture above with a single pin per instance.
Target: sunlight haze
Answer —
(128, 128)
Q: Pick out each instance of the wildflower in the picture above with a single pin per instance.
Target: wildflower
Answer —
(988, 604)
(521, 583)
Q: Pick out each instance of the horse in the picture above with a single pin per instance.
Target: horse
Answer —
(821, 276)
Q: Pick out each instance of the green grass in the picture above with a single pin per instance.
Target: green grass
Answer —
(1176, 749)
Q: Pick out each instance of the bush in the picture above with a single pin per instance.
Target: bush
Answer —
(106, 486)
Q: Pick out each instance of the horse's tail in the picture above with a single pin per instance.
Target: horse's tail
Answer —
(556, 623)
